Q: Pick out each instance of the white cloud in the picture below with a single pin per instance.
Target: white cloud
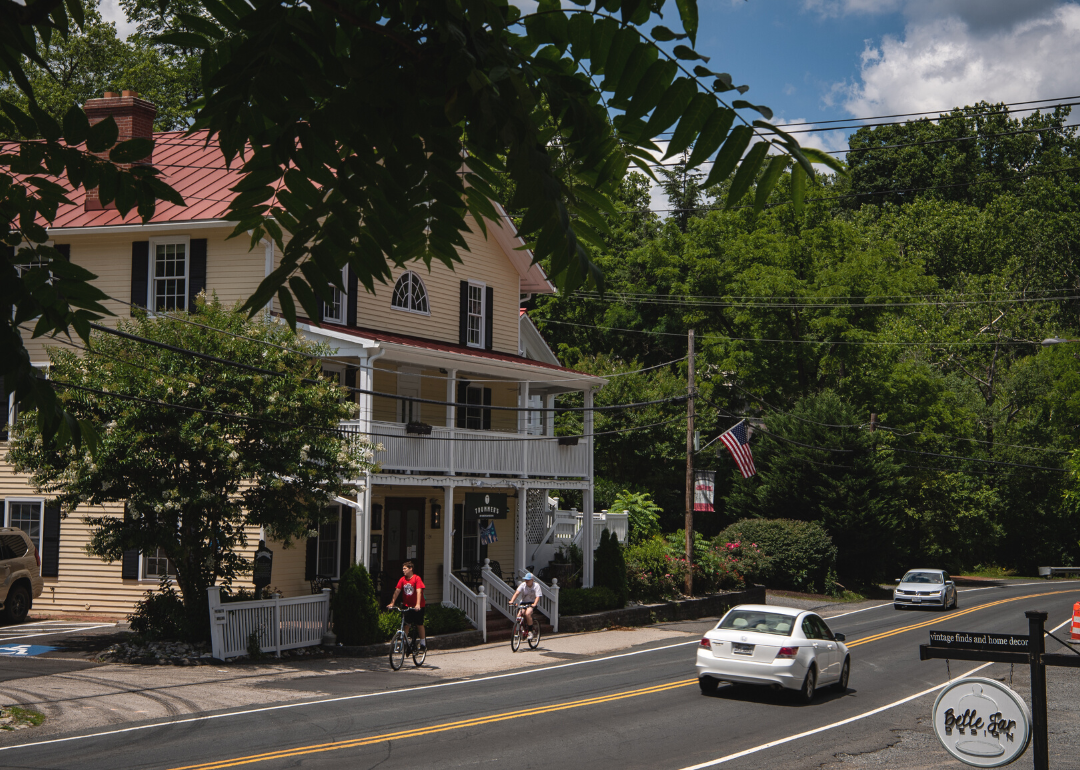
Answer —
(940, 62)
(111, 11)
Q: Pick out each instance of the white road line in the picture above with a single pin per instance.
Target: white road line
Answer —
(849, 720)
(53, 633)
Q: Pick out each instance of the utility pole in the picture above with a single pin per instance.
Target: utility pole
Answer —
(690, 464)
(873, 421)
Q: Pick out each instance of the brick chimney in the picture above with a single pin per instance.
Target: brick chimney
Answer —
(134, 117)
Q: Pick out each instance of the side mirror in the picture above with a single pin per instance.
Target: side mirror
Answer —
(839, 637)
(897, 580)
(949, 583)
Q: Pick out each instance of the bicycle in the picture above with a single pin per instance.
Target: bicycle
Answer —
(520, 632)
(402, 644)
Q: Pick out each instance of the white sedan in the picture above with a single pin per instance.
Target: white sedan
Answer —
(778, 646)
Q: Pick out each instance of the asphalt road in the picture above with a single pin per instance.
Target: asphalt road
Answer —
(638, 709)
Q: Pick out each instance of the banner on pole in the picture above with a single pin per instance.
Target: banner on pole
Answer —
(704, 490)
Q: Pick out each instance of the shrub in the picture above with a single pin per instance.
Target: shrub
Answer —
(356, 613)
(581, 601)
(161, 615)
(652, 573)
(644, 514)
(389, 622)
(444, 619)
(800, 554)
(610, 566)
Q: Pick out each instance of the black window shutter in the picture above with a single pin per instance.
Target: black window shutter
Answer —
(312, 558)
(352, 295)
(487, 412)
(462, 397)
(346, 539)
(196, 270)
(140, 271)
(50, 542)
(64, 249)
(489, 319)
(5, 413)
(129, 565)
(463, 325)
(350, 382)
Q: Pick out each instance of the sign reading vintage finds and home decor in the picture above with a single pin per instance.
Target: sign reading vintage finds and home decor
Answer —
(972, 640)
(485, 505)
(982, 722)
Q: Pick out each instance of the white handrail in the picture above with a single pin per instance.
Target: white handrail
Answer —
(475, 605)
(498, 590)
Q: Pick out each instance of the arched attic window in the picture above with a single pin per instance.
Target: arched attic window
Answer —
(410, 294)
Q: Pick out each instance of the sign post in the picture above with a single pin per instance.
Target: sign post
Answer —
(1002, 648)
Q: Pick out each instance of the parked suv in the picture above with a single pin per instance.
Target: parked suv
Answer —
(20, 574)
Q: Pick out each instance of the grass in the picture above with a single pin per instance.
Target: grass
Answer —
(20, 716)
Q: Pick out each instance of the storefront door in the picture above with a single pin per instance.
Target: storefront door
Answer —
(403, 535)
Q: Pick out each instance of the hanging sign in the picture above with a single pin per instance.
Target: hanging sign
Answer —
(264, 565)
(982, 722)
(974, 640)
(704, 489)
(485, 505)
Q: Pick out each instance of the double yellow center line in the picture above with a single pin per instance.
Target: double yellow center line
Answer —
(420, 731)
(493, 718)
(938, 620)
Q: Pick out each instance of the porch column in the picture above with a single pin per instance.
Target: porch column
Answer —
(549, 417)
(451, 420)
(523, 426)
(363, 524)
(448, 537)
(520, 554)
(587, 537)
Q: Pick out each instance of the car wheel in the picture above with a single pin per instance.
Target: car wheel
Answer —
(845, 674)
(809, 686)
(17, 605)
(708, 685)
(956, 601)
(898, 606)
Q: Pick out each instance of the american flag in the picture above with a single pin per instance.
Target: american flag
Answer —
(737, 440)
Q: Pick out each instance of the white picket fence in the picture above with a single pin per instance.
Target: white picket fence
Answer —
(281, 624)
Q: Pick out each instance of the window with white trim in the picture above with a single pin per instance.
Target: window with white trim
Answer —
(410, 294)
(25, 514)
(156, 565)
(476, 309)
(535, 423)
(169, 273)
(334, 311)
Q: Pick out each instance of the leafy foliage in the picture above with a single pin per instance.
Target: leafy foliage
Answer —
(356, 610)
(610, 567)
(643, 514)
(196, 451)
(161, 615)
(800, 555)
(583, 601)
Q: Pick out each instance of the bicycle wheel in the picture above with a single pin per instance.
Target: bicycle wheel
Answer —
(535, 641)
(515, 640)
(397, 650)
(419, 652)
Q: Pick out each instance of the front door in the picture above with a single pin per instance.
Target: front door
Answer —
(403, 536)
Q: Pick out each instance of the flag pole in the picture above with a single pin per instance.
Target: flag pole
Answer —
(689, 527)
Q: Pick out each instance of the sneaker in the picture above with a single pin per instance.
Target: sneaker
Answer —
(530, 637)
(423, 645)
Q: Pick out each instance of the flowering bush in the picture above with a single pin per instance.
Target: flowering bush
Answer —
(656, 569)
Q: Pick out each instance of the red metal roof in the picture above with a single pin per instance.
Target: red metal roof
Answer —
(188, 165)
(446, 347)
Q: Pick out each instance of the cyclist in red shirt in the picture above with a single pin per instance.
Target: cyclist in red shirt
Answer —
(413, 588)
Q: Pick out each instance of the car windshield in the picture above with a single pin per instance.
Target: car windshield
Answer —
(758, 621)
(922, 577)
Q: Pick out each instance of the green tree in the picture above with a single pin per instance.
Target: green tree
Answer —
(643, 514)
(197, 451)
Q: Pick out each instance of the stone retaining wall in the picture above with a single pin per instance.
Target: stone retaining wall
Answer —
(644, 614)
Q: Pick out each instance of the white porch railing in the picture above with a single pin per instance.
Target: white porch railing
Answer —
(475, 605)
(280, 624)
(453, 450)
(564, 528)
(549, 602)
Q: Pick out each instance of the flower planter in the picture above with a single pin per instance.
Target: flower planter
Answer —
(418, 428)
(568, 440)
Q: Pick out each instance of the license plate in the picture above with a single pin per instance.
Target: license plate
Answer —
(916, 600)
(742, 649)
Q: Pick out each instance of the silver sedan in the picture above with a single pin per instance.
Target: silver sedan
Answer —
(925, 588)
(777, 646)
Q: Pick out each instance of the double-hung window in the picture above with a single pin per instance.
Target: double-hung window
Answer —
(25, 514)
(334, 311)
(169, 273)
(156, 565)
(476, 316)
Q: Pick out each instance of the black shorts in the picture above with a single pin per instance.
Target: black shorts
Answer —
(414, 617)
